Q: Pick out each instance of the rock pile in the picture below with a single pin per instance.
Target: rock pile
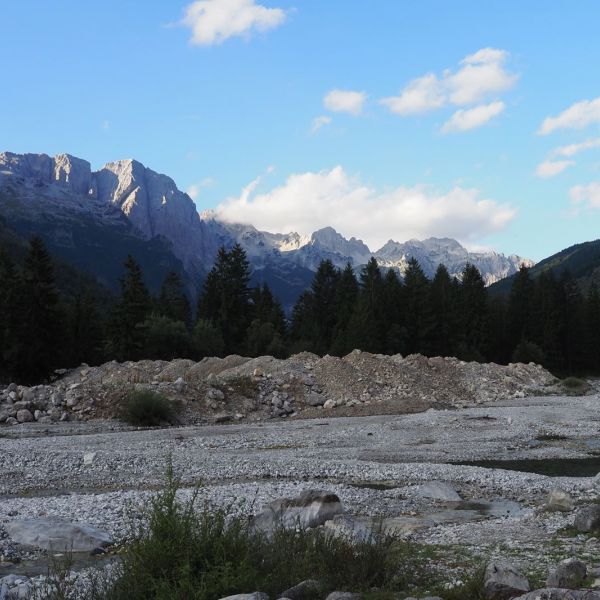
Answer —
(221, 389)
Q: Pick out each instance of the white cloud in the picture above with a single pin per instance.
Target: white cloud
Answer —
(214, 21)
(577, 116)
(420, 95)
(309, 201)
(586, 196)
(550, 168)
(345, 101)
(480, 75)
(573, 149)
(318, 123)
(465, 119)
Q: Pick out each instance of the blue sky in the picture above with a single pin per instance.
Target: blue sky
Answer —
(228, 101)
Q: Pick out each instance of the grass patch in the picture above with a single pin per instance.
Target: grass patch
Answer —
(145, 408)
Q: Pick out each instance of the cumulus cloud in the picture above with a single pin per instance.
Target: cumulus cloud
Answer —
(479, 76)
(319, 123)
(465, 119)
(309, 201)
(420, 95)
(345, 101)
(214, 21)
(573, 149)
(550, 168)
(585, 196)
(577, 116)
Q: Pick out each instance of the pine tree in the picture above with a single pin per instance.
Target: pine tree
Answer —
(8, 310)
(172, 300)
(267, 328)
(367, 326)
(346, 295)
(418, 314)
(592, 318)
(519, 308)
(443, 300)
(86, 331)
(225, 301)
(573, 332)
(393, 313)
(40, 327)
(133, 308)
(474, 315)
(323, 289)
(302, 329)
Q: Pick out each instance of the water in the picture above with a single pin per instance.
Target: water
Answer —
(553, 467)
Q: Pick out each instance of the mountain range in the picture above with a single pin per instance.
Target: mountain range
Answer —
(93, 219)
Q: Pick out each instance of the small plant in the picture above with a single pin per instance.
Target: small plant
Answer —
(574, 383)
(146, 408)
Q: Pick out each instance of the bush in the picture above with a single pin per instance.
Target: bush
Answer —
(573, 383)
(527, 352)
(146, 408)
(205, 554)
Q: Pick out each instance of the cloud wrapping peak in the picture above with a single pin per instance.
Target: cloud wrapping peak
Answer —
(465, 119)
(346, 101)
(214, 21)
(577, 116)
(309, 201)
(479, 76)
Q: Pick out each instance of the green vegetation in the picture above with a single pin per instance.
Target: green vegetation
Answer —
(573, 383)
(146, 408)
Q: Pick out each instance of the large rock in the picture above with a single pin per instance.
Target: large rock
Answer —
(24, 416)
(57, 535)
(560, 594)
(438, 490)
(503, 581)
(587, 518)
(560, 501)
(344, 596)
(310, 509)
(570, 573)
(305, 590)
(253, 596)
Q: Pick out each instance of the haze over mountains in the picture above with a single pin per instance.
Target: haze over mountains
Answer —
(95, 218)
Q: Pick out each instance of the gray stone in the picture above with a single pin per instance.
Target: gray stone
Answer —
(310, 509)
(503, 581)
(253, 596)
(344, 596)
(560, 594)
(88, 458)
(560, 501)
(587, 518)
(315, 399)
(439, 490)
(24, 416)
(215, 394)
(180, 385)
(57, 535)
(11, 421)
(570, 573)
(304, 590)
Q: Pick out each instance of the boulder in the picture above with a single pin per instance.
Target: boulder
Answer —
(24, 416)
(560, 594)
(305, 590)
(253, 596)
(310, 509)
(587, 518)
(570, 573)
(438, 490)
(503, 581)
(344, 596)
(559, 501)
(57, 535)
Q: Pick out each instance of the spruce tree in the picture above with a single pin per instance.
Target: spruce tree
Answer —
(474, 315)
(519, 308)
(345, 299)
(443, 300)
(132, 309)
(172, 301)
(41, 325)
(86, 330)
(323, 289)
(8, 310)
(393, 313)
(418, 314)
(592, 319)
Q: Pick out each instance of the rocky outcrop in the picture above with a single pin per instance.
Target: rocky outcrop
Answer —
(503, 581)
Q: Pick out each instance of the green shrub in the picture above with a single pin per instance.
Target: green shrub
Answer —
(204, 554)
(573, 383)
(146, 408)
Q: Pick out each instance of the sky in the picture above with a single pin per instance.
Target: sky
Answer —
(388, 119)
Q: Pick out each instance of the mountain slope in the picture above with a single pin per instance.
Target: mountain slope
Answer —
(581, 260)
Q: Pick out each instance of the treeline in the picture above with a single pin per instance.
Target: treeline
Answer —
(545, 320)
